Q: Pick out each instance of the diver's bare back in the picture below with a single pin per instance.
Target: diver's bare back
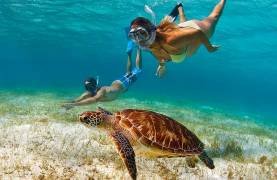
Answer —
(185, 38)
(173, 44)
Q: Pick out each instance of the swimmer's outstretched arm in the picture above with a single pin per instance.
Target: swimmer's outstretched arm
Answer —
(70, 104)
(138, 59)
(129, 63)
(161, 69)
(85, 95)
(90, 100)
(130, 47)
(86, 101)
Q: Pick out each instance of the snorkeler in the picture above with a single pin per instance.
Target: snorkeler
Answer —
(94, 93)
(171, 42)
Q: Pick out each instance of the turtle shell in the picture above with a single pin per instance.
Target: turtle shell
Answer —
(159, 131)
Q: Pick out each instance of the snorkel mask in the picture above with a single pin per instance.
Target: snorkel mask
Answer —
(143, 31)
(91, 84)
(141, 35)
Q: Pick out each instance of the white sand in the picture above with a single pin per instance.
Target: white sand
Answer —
(51, 150)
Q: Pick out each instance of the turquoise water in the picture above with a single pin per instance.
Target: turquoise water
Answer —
(228, 98)
(56, 44)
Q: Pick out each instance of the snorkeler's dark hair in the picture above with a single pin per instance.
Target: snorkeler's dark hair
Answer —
(89, 83)
(141, 21)
(91, 80)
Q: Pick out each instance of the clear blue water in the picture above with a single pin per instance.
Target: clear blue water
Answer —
(47, 44)
(227, 98)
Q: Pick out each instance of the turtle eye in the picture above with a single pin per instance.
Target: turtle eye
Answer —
(86, 120)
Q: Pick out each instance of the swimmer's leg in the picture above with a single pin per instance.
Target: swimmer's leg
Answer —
(85, 95)
(211, 21)
(178, 10)
(181, 13)
(208, 24)
(217, 11)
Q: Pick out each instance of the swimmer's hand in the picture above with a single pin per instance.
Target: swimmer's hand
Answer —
(67, 106)
(213, 48)
(161, 70)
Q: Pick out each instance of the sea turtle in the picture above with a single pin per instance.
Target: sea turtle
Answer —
(152, 134)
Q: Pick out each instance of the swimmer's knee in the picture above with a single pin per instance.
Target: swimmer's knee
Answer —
(214, 17)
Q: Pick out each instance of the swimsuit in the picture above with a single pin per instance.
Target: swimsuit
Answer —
(177, 58)
(129, 79)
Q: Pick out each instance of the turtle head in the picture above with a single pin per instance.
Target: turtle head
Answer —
(94, 118)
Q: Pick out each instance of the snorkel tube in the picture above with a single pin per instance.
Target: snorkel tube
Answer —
(148, 10)
(152, 38)
(97, 81)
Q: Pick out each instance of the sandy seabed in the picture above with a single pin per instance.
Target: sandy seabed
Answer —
(39, 140)
(58, 150)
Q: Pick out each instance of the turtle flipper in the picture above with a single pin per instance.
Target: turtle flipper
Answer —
(208, 161)
(126, 152)
(191, 161)
(104, 111)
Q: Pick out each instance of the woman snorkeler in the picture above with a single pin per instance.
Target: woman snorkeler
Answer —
(174, 42)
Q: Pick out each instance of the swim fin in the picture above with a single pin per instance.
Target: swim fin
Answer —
(174, 13)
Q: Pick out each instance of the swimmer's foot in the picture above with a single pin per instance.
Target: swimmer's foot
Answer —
(213, 48)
